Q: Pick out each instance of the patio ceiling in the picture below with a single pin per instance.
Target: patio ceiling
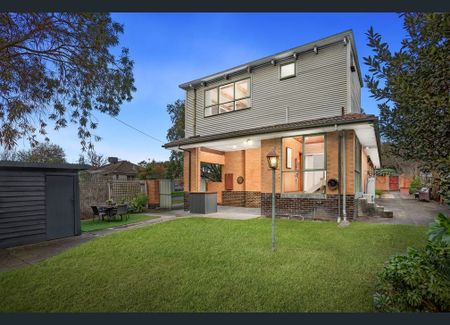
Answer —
(364, 131)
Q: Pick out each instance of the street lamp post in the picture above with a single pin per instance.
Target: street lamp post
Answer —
(272, 160)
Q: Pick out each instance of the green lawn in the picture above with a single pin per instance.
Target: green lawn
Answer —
(89, 225)
(202, 264)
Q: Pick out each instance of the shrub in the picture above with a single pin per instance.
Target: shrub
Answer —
(419, 280)
(378, 192)
(138, 203)
(415, 185)
(439, 230)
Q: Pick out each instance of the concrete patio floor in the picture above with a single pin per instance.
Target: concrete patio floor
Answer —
(223, 212)
(407, 210)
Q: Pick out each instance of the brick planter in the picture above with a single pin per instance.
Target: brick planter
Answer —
(246, 199)
(320, 208)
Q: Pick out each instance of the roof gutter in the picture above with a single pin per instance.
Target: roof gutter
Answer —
(258, 131)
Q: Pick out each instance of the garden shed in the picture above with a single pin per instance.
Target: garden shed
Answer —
(38, 202)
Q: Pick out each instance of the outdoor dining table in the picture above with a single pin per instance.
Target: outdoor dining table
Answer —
(108, 209)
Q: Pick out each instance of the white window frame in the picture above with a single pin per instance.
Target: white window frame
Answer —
(291, 75)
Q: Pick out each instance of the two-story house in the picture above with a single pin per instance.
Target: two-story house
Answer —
(304, 103)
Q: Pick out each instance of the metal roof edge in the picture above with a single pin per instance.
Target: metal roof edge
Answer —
(265, 59)
(22, 164)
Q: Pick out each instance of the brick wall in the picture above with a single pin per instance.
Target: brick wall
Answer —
(248, 199)
(325, 208)
(186, 201)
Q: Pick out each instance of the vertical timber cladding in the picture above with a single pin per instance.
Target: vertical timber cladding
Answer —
(38, 202)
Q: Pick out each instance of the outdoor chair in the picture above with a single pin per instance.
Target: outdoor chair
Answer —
(122, 210)
(97, 212)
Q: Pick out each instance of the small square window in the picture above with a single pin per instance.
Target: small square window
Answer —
(287, 70)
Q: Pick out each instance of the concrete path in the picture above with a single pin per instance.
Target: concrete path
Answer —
(223, 212)
(16, 257)
(408, 210)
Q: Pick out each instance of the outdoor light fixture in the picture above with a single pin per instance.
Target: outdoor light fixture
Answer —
(316, 50)
(295, 55)
(345, 41)
(273, 62)
(272, 160)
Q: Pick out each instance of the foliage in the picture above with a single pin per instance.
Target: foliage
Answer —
(417, 281)
(43, 153)
(386, 171)
(57, 68)
(213, 265)
(378, 192)
(10, 155)
(94, 159)
(212, 172)
(439, 230)
(153, 169)
(415, 185)
(138, 203)
(176, 132)
(397, 164)
(412, 87)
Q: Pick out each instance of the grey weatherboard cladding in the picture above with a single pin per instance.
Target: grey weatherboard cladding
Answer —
(319, 89)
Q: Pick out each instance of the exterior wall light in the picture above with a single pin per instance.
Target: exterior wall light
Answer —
(316, 50)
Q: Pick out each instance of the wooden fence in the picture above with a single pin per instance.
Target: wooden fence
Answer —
(95, 189)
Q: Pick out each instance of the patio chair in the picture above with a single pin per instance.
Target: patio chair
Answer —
(97, 212)
(122, 210)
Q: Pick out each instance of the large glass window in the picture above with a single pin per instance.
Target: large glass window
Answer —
(228, 98)
(304, 164)
(314, 171)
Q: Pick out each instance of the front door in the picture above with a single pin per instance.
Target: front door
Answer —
(60, 206)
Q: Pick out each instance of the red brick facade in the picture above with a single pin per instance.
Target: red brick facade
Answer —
(319, 208)
(248, 199)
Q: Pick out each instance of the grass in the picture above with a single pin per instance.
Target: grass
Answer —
(90, 225)
(201, 264)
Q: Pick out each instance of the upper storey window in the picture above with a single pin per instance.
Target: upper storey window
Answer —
(227, 98)
(287, 70)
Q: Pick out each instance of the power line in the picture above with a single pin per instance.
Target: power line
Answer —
(130, 126)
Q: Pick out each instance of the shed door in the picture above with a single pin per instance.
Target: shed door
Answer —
(60, 206)
(393, 183)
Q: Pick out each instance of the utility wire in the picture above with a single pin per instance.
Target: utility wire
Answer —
(132, 127)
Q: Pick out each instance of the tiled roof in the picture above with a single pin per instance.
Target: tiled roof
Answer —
(123, 167)
(328, 121)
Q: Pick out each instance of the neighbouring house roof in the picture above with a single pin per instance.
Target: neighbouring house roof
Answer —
(280, 56)
(122, 167)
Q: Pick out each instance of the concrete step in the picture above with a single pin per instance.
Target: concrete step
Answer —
(388, 214)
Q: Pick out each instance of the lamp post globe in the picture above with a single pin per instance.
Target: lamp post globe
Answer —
(272, 160)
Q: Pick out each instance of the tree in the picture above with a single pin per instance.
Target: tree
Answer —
(43, 153)
(412, 89)
(153, 169)
(59, 68)
(93, 159)
(400, 165)
(10, 155)
(175, 132)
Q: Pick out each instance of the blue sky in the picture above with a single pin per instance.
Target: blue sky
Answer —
(169, 49)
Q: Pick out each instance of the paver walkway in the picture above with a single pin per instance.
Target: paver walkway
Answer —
(16, 257)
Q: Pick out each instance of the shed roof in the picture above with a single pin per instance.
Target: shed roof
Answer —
(4, 164)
